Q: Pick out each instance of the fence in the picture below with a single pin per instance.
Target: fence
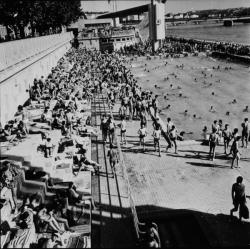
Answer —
(136, 222)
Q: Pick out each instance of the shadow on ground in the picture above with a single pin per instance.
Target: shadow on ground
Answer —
(178, 228)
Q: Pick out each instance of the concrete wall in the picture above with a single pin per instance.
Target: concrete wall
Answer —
(13, 88)
(16, 51)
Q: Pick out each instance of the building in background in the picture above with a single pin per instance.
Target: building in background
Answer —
(92, 24)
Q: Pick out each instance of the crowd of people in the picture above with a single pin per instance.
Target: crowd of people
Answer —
(137, 104)
(32, 216)
(173, 45)
(61, 97)
(77, 76)
(71, 84)
(227, 136)
(220, 133)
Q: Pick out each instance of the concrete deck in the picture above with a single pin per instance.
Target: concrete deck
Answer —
(187, 180)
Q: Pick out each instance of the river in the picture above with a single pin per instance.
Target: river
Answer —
(239, 33)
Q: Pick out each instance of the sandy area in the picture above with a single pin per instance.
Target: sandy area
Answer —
(197, 97)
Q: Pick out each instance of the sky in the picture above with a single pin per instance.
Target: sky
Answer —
(173, 6)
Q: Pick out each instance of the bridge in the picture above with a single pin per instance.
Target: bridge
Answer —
(127, 12)
(144, 8)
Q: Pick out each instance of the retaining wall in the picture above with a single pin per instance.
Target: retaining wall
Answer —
(18, 74)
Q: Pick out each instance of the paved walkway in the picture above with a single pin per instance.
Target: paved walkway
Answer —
(171, 182)
(111, 225)
(187, 180)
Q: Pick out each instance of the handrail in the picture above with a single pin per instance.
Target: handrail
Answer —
(137, 224)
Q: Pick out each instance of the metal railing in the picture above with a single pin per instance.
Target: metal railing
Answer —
(136, 222)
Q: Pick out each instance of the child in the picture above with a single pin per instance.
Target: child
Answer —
(48, 147)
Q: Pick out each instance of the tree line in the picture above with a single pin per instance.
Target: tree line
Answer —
(40, 16)
(224, 13)
(231, 12)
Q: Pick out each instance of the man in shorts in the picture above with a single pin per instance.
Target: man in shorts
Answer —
(173, 137)
(227, 136)
(113, 158)
(238, 195)
(155, 103)
(235, 152)
(104, 128)
(122, 111)
(169, 127)
(245, 132)
(213, 141)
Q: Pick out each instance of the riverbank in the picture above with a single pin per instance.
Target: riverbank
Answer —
(232, 57)
(239, 33)
(201, 24)
(197, 96)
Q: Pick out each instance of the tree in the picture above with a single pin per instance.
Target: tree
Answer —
(40, 15)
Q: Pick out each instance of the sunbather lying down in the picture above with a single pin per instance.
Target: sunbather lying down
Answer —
(84, 162)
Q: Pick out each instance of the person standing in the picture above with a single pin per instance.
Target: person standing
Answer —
(238, 196)
(173, 137)
(227, 135)
(69, 119)
(155, 103)
(213, 141)
(123, 126)
(111, 129)
(157, 137)
(142, 134)
(169, 127)
(122, 111)
(113, 158)
(104, 128)
(235, 152)
(143, 119)
(245, 132)
(215, 126)
(131, 107)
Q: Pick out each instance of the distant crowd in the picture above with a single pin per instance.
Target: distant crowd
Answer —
(173, 45)
(77, 77)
